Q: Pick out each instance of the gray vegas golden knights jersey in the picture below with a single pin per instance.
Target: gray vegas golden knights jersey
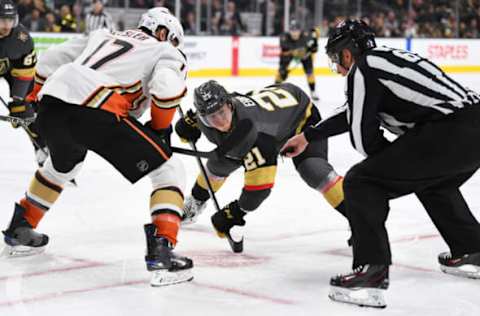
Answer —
(397, 90)
(277, 113)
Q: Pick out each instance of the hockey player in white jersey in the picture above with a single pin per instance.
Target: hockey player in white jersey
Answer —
(95, 88)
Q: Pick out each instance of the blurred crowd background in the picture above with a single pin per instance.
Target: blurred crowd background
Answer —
(389, 18)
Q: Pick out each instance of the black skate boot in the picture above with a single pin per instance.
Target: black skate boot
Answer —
(361, 287)
(167, 267)
(467, 266)
(20, 237)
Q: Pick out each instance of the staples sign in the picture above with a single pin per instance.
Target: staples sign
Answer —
(448, 51)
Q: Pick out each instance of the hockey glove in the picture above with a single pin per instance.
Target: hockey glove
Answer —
(163, 133)
(229, 216)
(187, 128)
(21, 109)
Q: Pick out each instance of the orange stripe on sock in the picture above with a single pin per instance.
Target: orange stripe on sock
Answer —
(151, 141)
(33, 214)
(167, 226)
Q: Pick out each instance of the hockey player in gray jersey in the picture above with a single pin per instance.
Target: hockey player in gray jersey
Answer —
(277, 113)
(431, 113)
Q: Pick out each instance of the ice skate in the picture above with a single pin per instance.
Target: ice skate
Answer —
(192, 210)
(467, 266)
(314, 96)
(167, 268)
(20, 238)
(363, 287)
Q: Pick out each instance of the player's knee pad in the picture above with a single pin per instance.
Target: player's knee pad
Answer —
(47, 185)
(169, 174)
(168, 182)
(315, 171)
(321, 176)
(59, 178)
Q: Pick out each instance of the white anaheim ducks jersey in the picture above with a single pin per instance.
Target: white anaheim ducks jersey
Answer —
(122, 72)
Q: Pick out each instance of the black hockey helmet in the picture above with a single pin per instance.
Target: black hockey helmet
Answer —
(294, 26)
(354, 35)
(209, 97)
(8, 10)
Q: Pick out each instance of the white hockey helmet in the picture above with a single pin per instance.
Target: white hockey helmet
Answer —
(161, 16)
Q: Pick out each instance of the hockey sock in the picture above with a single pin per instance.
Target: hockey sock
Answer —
(168, 199)
(166, 207)
(311, 82)
(200, 189)
(40, 196)
(167, 225)
(33, 214)
(333, 192)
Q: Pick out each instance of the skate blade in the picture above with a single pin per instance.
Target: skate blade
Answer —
(20, 251)
(364, 297)
(465, 271)
(165, 277)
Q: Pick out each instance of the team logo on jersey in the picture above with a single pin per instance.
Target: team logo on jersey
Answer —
(23, 36)
(4, 66)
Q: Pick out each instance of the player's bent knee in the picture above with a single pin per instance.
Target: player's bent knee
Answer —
(316, 172)
(169, 174)
(49, 172)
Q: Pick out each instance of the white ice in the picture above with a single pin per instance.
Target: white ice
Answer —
(293, 244)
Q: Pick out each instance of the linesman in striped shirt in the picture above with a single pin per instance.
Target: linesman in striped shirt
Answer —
(437, 121)
(98, 18)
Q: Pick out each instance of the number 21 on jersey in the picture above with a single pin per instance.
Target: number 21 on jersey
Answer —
(271, 98)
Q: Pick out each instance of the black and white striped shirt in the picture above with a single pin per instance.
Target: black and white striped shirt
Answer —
(98, 21)
(397, 90)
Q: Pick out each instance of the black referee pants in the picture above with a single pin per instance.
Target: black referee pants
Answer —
(432, 161)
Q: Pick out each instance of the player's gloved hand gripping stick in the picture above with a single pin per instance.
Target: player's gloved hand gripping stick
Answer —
(241, 129)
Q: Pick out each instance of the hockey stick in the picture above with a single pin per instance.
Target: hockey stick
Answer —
(237, 246)
(194, 153)
(24, 124)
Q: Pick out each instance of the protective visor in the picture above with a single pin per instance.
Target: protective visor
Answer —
(334, 59)
(223, 114)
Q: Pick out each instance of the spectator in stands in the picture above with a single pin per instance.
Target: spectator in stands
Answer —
(97, 18)
(67, 20)
(188, 24)
(51, 23)
(217, 11)
(231, 23)
(40, 6)
(24, 7)
(34, 21)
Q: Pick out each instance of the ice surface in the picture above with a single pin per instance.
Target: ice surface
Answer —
(293, 244)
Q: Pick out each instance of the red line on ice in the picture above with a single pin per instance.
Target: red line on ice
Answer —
(55, 295)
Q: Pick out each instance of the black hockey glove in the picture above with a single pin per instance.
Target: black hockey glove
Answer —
(21, 109)
(229, 216)
(312, 46)
(163, 133)
(187, 128)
